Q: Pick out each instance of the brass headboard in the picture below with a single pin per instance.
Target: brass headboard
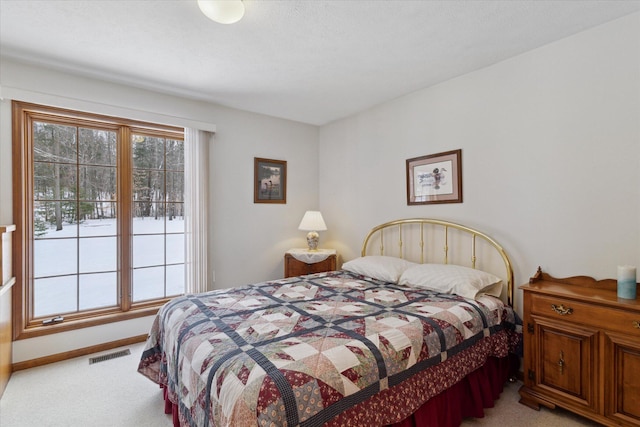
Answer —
(409, 237)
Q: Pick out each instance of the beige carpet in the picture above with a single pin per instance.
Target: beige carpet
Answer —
(111, 393)
(508, 412)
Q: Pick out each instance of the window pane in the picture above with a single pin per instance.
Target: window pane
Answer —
(175, 280)
(98, 290)
(148, 283)
(97, 147)
(147, 225)
(148, 250)
(175, 248)
(175, 155)
(44, 220)
(54, 181)
(148, 152)
(55, 295)
(175, 186)
(106, 223)
(98, 254)
(97, 183)
(54, 257)
(175, 220)
(54, 143)
(148, 186)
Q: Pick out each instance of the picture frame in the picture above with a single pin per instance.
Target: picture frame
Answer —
(270, 181)
(435, 178)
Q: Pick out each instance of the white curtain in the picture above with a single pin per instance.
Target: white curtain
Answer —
(196, 202)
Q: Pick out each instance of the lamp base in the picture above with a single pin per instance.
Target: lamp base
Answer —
(312, 240)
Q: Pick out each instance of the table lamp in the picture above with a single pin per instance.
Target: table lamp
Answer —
(312, 222)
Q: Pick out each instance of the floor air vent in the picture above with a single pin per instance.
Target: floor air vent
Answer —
(109, 356)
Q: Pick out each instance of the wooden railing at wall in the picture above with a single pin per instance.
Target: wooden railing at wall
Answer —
(6, 282)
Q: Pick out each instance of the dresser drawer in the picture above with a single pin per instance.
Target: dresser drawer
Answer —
(576, 312)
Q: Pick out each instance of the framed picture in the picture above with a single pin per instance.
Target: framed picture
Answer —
(270, 181)
(436, 178)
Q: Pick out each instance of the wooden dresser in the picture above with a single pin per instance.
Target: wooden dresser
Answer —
(6, 282)
(582, 349)
(298, 262)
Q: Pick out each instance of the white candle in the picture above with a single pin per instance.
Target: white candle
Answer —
(627, 287)
(626, 273)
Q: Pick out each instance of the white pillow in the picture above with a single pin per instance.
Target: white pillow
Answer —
(385, 268)
(452, 279)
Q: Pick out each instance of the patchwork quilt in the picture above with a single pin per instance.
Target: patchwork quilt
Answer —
(325, 349)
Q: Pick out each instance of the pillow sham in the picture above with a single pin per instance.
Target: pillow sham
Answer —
(452, 279)
(380, 267)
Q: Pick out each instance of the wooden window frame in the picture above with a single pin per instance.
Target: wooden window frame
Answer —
(23, 115)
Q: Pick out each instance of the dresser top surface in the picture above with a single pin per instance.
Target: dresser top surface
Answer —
(582, 288)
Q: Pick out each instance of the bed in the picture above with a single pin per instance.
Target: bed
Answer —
(417, 331)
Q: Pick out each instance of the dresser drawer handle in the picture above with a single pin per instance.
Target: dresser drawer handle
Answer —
(636, 324)
(561, 310)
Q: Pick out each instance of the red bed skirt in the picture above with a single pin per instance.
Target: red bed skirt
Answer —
(468, 398)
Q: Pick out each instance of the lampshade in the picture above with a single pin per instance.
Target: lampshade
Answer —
(312, 222)
(222, 11)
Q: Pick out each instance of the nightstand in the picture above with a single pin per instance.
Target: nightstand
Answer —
(298, 262)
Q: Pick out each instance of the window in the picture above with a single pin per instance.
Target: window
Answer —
(99, 211)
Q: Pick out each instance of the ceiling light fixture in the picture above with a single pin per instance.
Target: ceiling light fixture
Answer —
(222, 11)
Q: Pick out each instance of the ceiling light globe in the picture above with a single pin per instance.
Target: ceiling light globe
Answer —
(222, 11)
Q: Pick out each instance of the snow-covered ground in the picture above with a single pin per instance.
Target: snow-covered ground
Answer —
(90, 250)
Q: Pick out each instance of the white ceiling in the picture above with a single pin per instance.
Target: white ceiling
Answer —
(311, 61)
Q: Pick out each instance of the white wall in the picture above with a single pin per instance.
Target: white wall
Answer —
(550, 148)
(248, 240)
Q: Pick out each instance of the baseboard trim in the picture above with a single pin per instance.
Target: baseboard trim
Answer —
(76, 353)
